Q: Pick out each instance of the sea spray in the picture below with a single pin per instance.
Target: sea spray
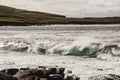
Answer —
(14, 46)
(80, 47)
(99, 41)
(77, 40)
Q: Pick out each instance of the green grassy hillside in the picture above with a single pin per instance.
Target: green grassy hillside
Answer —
(12, 16)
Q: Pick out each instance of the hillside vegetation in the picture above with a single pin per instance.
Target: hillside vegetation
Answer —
(12, 16)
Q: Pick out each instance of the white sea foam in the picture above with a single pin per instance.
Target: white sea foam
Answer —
(21, 46)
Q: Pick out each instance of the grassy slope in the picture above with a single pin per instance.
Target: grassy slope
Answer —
(12, 16)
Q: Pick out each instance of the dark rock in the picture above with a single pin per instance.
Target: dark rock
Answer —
(4, 71)
(40, 73)
(24, 68)
(1, 78)
(52, 70)
(37, 78)
(43, 79)
(69, 78)
(46, 73)
(73, 77)
(61, 70)
(4, 76)
(32, 78)
(11, 71)
(24, 74)
(42, 67)
(55, 77)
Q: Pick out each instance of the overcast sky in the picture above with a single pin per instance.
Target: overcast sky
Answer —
(70, 8)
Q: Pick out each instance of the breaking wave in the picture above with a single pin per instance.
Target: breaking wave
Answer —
(76, 48)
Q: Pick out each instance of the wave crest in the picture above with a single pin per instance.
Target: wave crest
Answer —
(88, 49)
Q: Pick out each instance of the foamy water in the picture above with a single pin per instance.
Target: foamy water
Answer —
(24, 46)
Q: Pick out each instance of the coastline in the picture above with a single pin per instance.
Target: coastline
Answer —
(11, 23)
(16, 17)
(45, 24)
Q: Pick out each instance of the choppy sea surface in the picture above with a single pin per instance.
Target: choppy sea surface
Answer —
(85, 49)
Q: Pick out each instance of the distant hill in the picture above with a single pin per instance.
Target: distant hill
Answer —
(18, 17)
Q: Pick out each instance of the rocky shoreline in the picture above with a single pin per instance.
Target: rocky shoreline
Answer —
(39, 73)
(47, 73)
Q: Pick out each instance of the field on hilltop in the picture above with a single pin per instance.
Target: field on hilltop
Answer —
(16, 17)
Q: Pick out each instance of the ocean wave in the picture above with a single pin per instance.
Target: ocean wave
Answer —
(13, 46)
(76, 48)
